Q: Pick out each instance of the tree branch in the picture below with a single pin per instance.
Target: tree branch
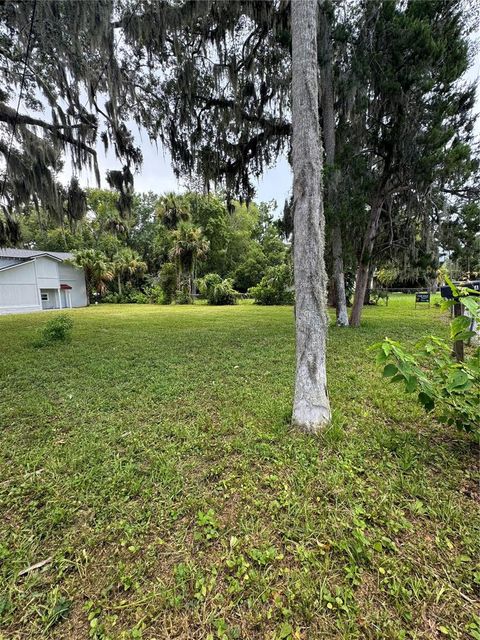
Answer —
(9, 115)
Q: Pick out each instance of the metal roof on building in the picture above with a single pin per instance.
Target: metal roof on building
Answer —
(22, 254)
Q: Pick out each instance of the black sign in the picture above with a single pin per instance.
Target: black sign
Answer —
(422, 297)
(447, 293)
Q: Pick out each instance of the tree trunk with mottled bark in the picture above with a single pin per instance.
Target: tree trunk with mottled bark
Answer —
(328, 113)
(339, 276)
(361, 280)
(331, 294)
(311, 407)
(369, 289)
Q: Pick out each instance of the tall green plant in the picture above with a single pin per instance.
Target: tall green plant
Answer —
(127, 263)
(167, 279)
(275, 287)
(216, 290)
(444, 386)
(98, 270)
(189, 247)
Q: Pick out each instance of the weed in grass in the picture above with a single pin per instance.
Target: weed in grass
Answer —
(207, 525)
(56, 609)
(58, 329)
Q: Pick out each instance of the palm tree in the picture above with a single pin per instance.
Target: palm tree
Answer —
(172, 210)
(189, 246)
(127, 263)
(116, 225)
(98, 270)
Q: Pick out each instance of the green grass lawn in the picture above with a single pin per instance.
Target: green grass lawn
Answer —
(152, 460)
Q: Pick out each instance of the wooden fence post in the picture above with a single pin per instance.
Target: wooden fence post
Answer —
(458, 344)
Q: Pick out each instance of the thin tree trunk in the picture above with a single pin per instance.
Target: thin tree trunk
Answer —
(339, 275)
(368, 291)
(361, 280)
(331, 293)
(119, 281)
(311, 407)
(328, 112)
(88, 287)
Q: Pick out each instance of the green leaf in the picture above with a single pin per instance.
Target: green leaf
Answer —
(411, 384)
(389, 370)
(381, 357)
(472, 304)
(458, 325)
(426, 400)
(285, 631)
(387, 348)
(459, 379)
(464, 335)
(469, 290)
(452, 286)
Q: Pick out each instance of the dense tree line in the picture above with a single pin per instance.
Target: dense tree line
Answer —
(190, 234)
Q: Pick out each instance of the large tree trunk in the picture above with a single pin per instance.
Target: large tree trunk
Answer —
(311, 407)
(362, 277)
(328, 112)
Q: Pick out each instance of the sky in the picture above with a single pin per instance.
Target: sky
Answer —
(156, 172)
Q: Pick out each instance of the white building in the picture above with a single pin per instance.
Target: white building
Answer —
(36, 280)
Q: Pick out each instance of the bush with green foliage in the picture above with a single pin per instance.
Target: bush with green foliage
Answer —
(57, 329)
(216, 290)
(206, 284)
(113, 298)
(276, 287)
(378, 294)
(138, 297)
(155, 294)
(167, 279)
(182, 296)
(132, 296)
(251, 270)
(449, 388)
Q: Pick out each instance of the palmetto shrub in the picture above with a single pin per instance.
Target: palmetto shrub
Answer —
(218, 291)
